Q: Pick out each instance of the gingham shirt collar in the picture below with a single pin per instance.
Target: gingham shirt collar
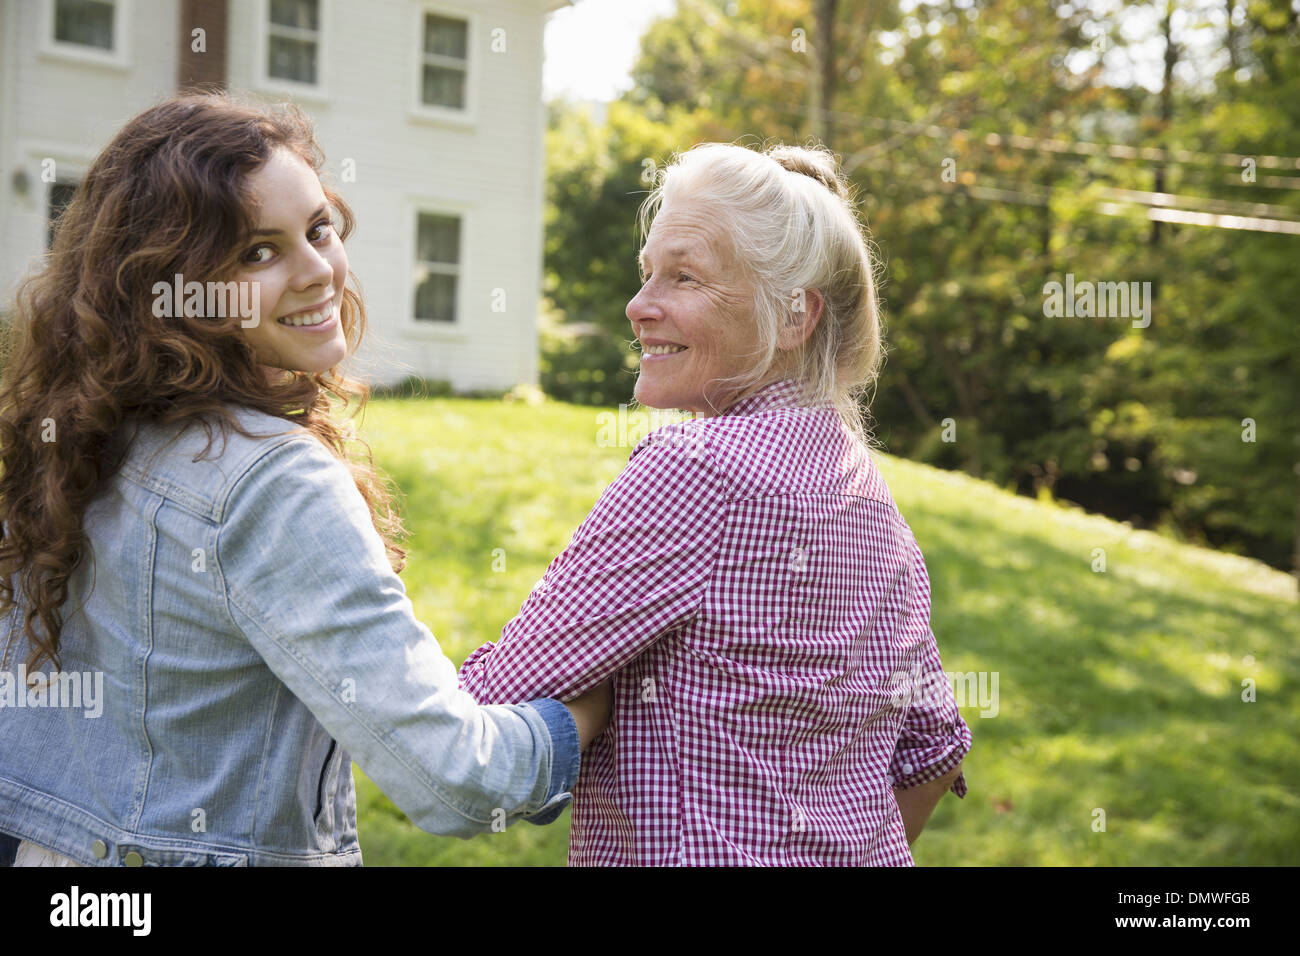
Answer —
(783, 393)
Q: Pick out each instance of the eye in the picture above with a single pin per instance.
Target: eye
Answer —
(683, 277)
(320, 233)
(251, 259)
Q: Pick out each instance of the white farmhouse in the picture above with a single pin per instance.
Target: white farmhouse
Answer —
(429, 113)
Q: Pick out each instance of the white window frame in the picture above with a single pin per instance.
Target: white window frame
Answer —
(445, 115)
(45, 205)
(118, 58)
(416, 205)
(263, 80)
(72, 163)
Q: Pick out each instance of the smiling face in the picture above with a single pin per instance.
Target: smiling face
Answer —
(693, 315)
(299, 263)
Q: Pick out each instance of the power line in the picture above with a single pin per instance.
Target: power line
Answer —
(1033, 144)
(1191, 218)
(1224, 206)
(1202, 210)
(1160, 207)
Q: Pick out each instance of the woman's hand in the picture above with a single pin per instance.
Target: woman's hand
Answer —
(591, 712)
(916, 805)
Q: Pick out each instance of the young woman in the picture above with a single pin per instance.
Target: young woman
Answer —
(223, 625)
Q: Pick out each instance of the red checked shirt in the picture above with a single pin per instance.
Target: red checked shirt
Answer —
(764, 611)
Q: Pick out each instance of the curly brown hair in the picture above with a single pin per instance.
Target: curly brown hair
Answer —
(168, 195)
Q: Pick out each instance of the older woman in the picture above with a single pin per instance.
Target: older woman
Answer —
(747, 580)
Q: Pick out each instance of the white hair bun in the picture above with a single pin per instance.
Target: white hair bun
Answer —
(815, 162)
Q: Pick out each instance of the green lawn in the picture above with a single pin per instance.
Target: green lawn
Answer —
(1119, 690)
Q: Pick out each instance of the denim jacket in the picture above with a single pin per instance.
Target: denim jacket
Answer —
(233, 640)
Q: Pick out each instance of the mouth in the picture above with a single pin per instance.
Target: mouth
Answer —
(660, 352)
(318, 318)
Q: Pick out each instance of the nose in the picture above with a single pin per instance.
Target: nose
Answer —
(313, 269)
(645, 305)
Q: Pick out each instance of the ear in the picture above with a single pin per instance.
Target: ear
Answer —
(805, 310)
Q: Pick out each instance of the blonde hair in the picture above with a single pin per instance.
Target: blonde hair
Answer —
(790, 215)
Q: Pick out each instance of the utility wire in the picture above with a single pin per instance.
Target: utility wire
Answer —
(1158, 206)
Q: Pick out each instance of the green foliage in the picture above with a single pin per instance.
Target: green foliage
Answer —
(413, 386)
(597, 178)
(587, 364)
(1118, 690)
(416, 386)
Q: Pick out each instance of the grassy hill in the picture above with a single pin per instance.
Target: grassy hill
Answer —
(1119, 691)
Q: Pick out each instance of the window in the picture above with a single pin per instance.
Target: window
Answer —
(293, 41)
(59, 196)
(85, 23)
(445, 62)
(437, 267)
(96, 32)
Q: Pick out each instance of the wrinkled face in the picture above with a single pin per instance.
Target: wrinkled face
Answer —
(299, 264)
(693, 315)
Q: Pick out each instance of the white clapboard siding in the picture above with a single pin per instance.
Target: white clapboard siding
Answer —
(58, 104)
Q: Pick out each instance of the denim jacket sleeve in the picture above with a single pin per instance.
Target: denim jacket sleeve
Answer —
(307, 581)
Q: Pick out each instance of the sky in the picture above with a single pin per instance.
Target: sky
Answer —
(590, 46)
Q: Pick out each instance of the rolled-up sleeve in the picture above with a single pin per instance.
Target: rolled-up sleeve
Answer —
(636, 569)
(934, 738)
(307, 581)
(566, 763)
